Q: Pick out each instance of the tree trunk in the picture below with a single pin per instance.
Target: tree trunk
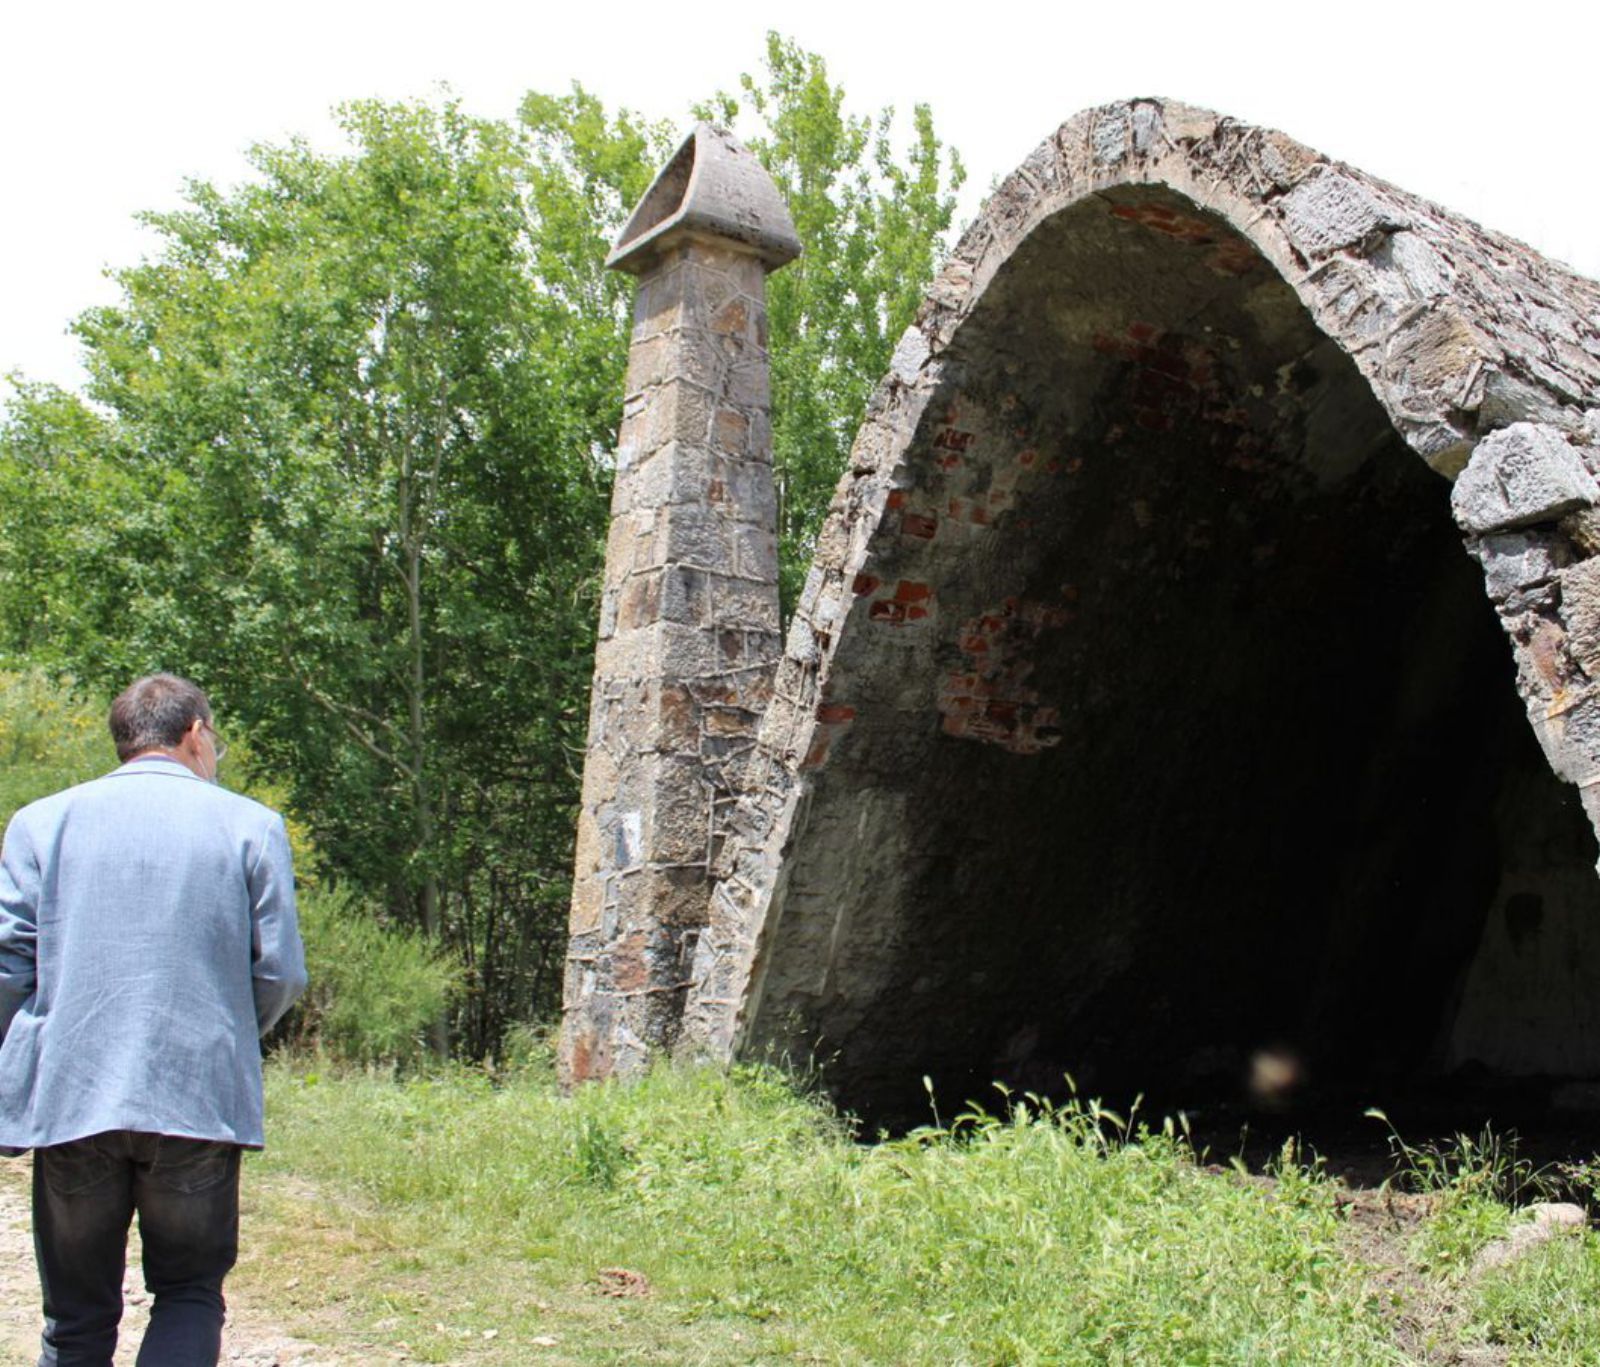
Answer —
(411, 543)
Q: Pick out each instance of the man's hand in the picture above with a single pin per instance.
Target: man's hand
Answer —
(277, 956)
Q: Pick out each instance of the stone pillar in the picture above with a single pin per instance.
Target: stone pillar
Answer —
(689, 637)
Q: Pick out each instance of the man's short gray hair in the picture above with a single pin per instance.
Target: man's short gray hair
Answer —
(153, 713)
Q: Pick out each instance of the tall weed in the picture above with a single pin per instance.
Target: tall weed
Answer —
(375, 988)
(1474, 1180)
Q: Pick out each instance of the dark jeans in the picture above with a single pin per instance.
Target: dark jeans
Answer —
(85, 1193)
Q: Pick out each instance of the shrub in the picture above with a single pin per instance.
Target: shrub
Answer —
(375, 988)
(49, 738)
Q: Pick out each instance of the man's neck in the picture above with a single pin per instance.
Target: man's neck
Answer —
(175, 756)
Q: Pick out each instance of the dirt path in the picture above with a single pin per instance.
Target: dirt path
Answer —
(249, 1340)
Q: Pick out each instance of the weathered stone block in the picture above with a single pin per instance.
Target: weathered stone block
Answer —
(605, 784)
(745, 382)
(1580, 614)
(1570, 736)
(680, 828)
(685, 596)
(1329, 212)
(761, 433)
(730, 431)
(1188, 123)
(1582, 528)
(697, 536)
(732, 319)
(1515, 561)
(639, 601)
(647, 364)
(755, 553)
(585, 913)
(621, 839)
(1506, 400)
(681, 899)
(686, 652)
(1350, 302)
(676, 729)
(678, 411)
(658, 303)
(1110, 135)
(1427, 274)
(1517, 477)
(735, 494)
(910, 353)
(745, 603)
(1282, 159)
(712, 284)
(608, 614)
(1429, 355)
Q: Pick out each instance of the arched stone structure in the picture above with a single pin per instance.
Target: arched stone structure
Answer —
(1142, 709)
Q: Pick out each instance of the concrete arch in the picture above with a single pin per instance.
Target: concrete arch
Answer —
(1179, 365)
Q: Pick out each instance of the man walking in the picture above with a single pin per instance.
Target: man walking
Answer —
(147, 940)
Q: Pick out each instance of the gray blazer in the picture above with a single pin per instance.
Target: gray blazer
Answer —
(147, 939)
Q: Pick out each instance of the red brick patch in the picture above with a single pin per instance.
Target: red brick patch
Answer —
(953, 439)
(818, 753)
(1158, 217)
(832, 718)
(911, 602)
(991, 701)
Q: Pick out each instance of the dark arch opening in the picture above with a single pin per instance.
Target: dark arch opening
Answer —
(1185, 745)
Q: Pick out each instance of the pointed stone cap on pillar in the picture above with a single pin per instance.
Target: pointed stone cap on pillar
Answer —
(713, 187)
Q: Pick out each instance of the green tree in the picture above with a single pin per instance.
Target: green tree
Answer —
(873, 227)
(354, 477)
(344, 455)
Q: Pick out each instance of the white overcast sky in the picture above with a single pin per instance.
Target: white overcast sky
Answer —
(1490, 109)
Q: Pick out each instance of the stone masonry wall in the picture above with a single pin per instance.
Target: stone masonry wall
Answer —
(687, 644)
(1461, 334)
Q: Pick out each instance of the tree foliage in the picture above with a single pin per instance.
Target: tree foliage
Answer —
(872, 226)
(344, 457)
(344, 461)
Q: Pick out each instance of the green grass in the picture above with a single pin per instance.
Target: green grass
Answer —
(479, 1220)
(1546, 1307)
(766, 1234)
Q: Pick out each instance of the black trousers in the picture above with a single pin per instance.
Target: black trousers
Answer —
(85, 1194)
